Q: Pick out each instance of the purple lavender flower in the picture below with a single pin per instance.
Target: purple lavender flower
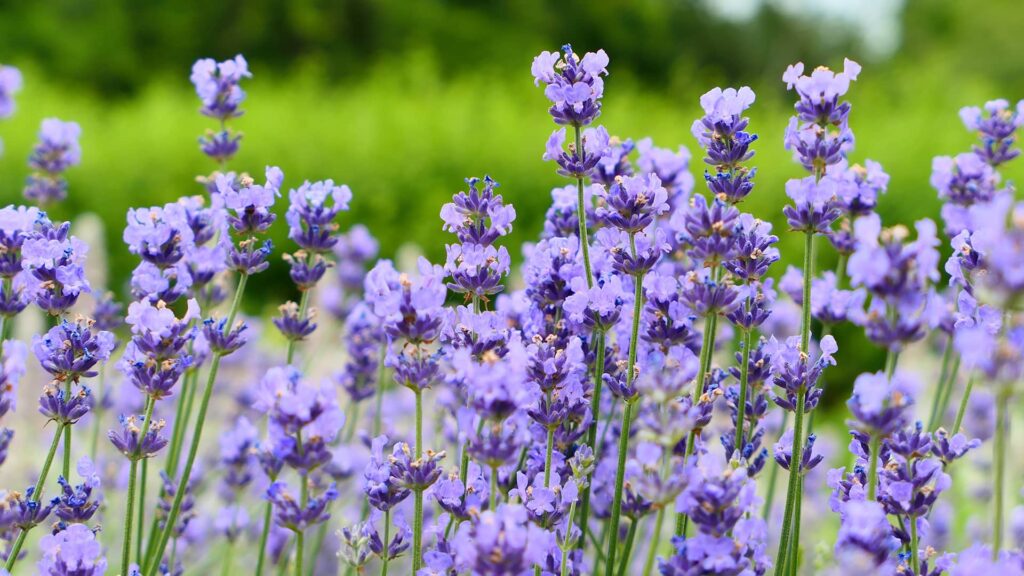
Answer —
(477, 217)
(671, 167)
(70, 350)
(382, 490)
(352, 252)
(298, 517)
(10, 84)
(155, 358)
(795, 371)
(17, 224)
(21, 510)
(412, 473)
(573, 85)
(814, 207)
(962, 181)
(819, 134)
(722, 132)
(291, 322)
(880, 404)
(865, 537)
(79, 503)
(632, 203)
(858, 187)
(159, 235)
(237, 455)
(57, 150)
(249, 203)
(72, 552)
(501, 541)
(54, 265)
(217, 85)
(996, 129)
(11, 372)
(128, 442)
(310, 216)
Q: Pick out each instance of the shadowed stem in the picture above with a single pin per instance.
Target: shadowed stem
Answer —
(741, 405)
(385, 554)
(795, 478)
(37, 493)
(127, 546)
(264, 534)
(581, 212)
(620, 471)
(963, 405)
(706, 351)
(630, 537)
(565, 544)
(933, 416)
(153, 562)
(417, 534)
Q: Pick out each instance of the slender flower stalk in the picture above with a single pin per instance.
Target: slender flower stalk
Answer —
(153, 561)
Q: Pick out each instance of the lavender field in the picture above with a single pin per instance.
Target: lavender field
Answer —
(637, 389)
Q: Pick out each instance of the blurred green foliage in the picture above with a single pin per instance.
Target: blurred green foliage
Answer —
(403, 100)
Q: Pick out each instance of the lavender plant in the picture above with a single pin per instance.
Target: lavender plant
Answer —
(508, 457)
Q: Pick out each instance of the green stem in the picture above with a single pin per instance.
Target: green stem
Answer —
(417, 533)
(581, 212)
(547, 456)
(37, 494)
(181, 420)
(652, 552)
(706, 352)
(225, 569)
(963, 405)
(566, 545)
(630, 537)
(795, 476)
(954, 374)
(741, 405)
(999, 459)
(267, 514)
(915, 560)
(387, 539)
(875, 448)
(933, 415)
(140, 525)
(613, 523)
(127, 545)
(153, 562)
(67, 438)
(493, 496)
(299, 546)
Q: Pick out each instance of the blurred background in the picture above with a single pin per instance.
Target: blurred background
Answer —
(403, 100)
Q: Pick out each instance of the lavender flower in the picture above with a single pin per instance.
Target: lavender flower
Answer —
(721, 131)
(819, 134)
(477, 217)
(72, 552)
(573, 85)
(57, 150)
(79, 503)
(70, 351)
(217, 85)
(10, 84)
(296, 516)
(996, 129)
(54, 265)
(130, 442)
(865, 537)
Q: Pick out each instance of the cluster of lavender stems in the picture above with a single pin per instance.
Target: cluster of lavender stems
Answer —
(552, 429)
